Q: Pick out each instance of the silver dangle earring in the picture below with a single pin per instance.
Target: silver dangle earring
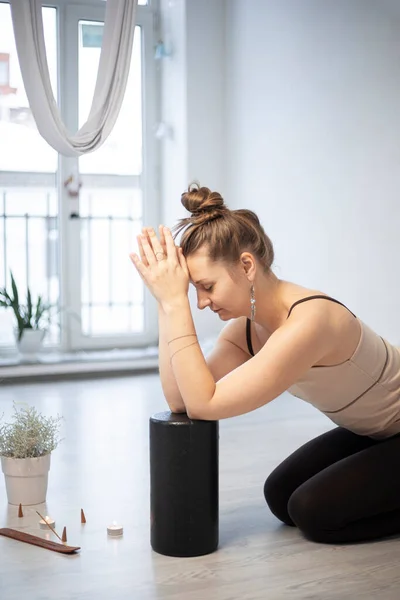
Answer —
(252, 303)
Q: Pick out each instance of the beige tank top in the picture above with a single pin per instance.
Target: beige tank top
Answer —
(361, 394)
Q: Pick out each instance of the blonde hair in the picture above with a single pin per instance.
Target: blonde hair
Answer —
(226, 233)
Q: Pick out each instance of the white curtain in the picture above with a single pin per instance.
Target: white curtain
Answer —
(115, 58)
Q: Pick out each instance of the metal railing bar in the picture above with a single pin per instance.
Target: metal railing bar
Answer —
(48, 249)
(89, 258)
(27, 248)
(110, 260)
(108, 305)
(5, 240)
(89, 218)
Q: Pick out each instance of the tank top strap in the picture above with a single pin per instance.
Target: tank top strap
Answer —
(318, 296)
(248, 322)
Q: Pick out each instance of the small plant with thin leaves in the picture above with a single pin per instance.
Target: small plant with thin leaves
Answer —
(29, 315)
(30, 434)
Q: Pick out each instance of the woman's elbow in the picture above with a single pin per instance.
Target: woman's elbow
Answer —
(201, 414)
(176, 410)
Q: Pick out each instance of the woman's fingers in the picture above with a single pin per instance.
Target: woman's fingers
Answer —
(151, 248)
(141, 251)
(159, 251)
(182, 260)
(140, 267)
(163, 242)
(170, 245)
(148, 250)
(162, 238)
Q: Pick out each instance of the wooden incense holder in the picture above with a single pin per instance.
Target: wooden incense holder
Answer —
(20, 536)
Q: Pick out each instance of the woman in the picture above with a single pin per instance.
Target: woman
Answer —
(342, 486)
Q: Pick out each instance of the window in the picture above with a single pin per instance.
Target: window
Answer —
(78, 257)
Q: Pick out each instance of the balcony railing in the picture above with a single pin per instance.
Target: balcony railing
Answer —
(111, 297)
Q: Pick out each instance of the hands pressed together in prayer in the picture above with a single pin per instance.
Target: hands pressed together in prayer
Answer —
(162, 266)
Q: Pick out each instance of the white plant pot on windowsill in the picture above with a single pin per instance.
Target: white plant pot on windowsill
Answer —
(26, 479)
(30, 343)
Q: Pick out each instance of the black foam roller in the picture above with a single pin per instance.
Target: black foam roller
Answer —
(184, 494)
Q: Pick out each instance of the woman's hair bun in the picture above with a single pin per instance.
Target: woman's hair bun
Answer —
(202, 202)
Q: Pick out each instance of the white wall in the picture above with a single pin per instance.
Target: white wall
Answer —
(193, 105)
(313, 143)
(205, 26)
(173, 108)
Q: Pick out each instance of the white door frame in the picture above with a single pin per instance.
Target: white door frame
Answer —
(69, 16)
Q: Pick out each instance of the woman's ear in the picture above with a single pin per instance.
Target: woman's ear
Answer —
(249, 265)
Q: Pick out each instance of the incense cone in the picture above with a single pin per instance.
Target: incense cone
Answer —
(20, 513)
(83, 518)
(64, 535)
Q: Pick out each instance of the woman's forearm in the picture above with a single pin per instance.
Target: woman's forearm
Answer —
(168, 382)
(193, 378)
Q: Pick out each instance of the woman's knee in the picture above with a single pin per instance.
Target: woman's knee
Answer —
(277, 497)
(308, 514)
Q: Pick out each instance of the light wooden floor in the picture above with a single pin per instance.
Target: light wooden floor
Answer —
(102, 466)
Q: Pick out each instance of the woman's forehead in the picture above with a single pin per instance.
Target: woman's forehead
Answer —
(202, 267)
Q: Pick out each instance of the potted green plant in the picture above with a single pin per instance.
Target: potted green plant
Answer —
(26, 444)
(32, 318)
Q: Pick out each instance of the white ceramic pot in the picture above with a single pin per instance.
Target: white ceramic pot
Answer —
(31, 342)
(26, 479)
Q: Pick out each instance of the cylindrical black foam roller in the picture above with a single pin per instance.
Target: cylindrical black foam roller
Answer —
(184, 485)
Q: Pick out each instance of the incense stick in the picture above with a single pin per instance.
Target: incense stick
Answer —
(49, 526)
(20, 536)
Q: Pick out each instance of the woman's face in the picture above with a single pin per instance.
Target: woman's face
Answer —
(225, 292)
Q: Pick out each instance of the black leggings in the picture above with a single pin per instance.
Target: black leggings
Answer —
(339, 487)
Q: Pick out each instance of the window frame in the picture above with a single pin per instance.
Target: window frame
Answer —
(146, 18)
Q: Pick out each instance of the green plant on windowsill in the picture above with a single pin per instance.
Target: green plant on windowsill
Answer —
(29, 315)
